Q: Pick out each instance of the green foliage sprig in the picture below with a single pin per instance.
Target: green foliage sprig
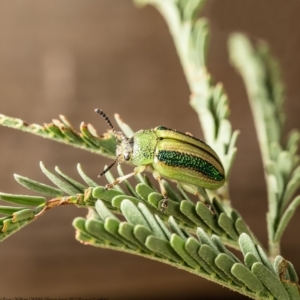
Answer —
(188, 235)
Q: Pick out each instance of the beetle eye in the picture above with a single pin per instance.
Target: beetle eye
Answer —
(127, 156)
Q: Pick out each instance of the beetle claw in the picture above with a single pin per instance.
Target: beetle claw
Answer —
(109, 186)
(164, 204)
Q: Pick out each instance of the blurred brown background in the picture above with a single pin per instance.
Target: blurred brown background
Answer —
(71, 56)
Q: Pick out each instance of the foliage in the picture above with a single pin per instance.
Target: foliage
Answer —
(188, 235)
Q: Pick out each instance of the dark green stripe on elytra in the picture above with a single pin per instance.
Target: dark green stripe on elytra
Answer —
(188, 161)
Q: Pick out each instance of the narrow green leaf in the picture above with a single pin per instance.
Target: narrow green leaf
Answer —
(96, 229)
(250, 259)
(117, 200)
(111, 225)
(9, 210)
(270, 281)
(241, 227)
(102, 193)
(86, 178)
(293, 141)
(227, 224)
(217, 207)
(189, 210)
(54, 129)
(70, 180)
(247, 245)
(247, 277)
(291, 188)
(154, 226)
(202, 42)
(192, 246)
(22, 215)
(209, 255)
(163, 227)
(103, 211)
(123, 126)
(178, 245)
(288, 214)
(62, 184)
(87, 239)
(79, 223)
(23, 199)
(126, 231)
(71, 135)
(225, 263)
(210, 219)
(141, 233)
(173, 209)
(132, 214)
(38, 187)
(221, 248)
(155, 199)
(292, 273)
(265, 260)
(9, 225)
(292, 290)
(162, 247)
(205, 239)
(175, 228)
(143, 190)
(285, 163)
(10, 228)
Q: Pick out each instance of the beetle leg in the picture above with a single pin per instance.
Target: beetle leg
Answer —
(136, 171)
(163, 191)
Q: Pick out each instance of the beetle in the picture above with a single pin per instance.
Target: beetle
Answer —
(167, 153)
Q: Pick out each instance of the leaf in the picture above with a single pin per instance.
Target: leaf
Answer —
(247, 277)
(38, 187)
(96, 229)
(189, 210)
(85, 178)
(65, 186)
(204, 239)
(162, 247)
(209, 255)
(9, 210)
(143, 190)
(247, 246)
(154, 226)
(103, 211)
(124, 127)
(23, 199)
(178, 245)
(284, 221)
(70, 180)
(192, 246)
(227, 224)
(270, 281)
(132, 214)
(102, 193)
(176, 229)
(225, 263)
(206, 215)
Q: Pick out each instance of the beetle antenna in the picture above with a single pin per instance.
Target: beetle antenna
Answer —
(108, 168)
(105, 117)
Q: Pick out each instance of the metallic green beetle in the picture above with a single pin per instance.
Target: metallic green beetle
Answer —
(168, 153)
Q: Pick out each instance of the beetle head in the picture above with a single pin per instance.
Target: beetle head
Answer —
(124, 144)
